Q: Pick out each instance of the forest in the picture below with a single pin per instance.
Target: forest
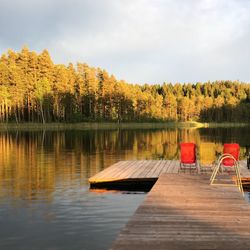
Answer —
(34, 89)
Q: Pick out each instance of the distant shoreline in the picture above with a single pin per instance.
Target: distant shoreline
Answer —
(113, 125)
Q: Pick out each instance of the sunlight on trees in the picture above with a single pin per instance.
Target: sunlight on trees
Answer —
(34, 89)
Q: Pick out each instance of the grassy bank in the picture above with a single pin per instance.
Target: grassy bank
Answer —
(225, 124)
(97, 125)
(111, 126)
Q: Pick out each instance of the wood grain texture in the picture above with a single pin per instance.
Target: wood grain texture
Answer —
(148, 169)
(185, 212)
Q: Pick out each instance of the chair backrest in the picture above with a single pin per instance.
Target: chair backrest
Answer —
(232, 149)
(188, 153)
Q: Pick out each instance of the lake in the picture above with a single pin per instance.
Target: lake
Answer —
(45, 201)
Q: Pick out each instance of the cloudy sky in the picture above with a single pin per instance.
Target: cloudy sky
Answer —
(140, 41)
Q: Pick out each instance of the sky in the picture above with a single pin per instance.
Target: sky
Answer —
(140, 41)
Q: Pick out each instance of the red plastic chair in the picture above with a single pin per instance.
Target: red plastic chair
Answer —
(229, 159)
(232, 149)
(188, 156)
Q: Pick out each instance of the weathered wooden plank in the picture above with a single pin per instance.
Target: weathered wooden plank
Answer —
(112, 172)
(169, 167)
(244, 170)
(185, 212)
(163, 165)
(150, 174)
(139, 166)
(142, 172)
(166, 167)
(109, 172)
(126, 169)
(176, 167)
(112, 169)
(149, 169)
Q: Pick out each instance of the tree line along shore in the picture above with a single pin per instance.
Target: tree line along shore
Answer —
(35, 90)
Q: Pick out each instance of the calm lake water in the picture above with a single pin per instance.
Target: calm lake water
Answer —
(45, 201)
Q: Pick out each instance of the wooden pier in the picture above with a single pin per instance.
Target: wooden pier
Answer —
(125, 173)
(134, 170)
(184, 212)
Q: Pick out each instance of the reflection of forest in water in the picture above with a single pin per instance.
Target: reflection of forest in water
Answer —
(32, 164)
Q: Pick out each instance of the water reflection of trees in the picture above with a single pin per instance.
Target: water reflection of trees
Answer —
(35, 164)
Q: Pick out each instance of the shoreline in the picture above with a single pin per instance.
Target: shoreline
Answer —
(113, 125)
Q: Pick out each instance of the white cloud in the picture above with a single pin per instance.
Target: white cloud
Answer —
(139, 40)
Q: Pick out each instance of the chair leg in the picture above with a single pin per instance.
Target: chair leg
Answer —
(198, 168)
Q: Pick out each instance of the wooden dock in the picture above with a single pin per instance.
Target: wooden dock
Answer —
(184, 212)
(147, 171)
(133, 175)
(135, 170)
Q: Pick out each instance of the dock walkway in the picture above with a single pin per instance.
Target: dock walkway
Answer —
(184, 212)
